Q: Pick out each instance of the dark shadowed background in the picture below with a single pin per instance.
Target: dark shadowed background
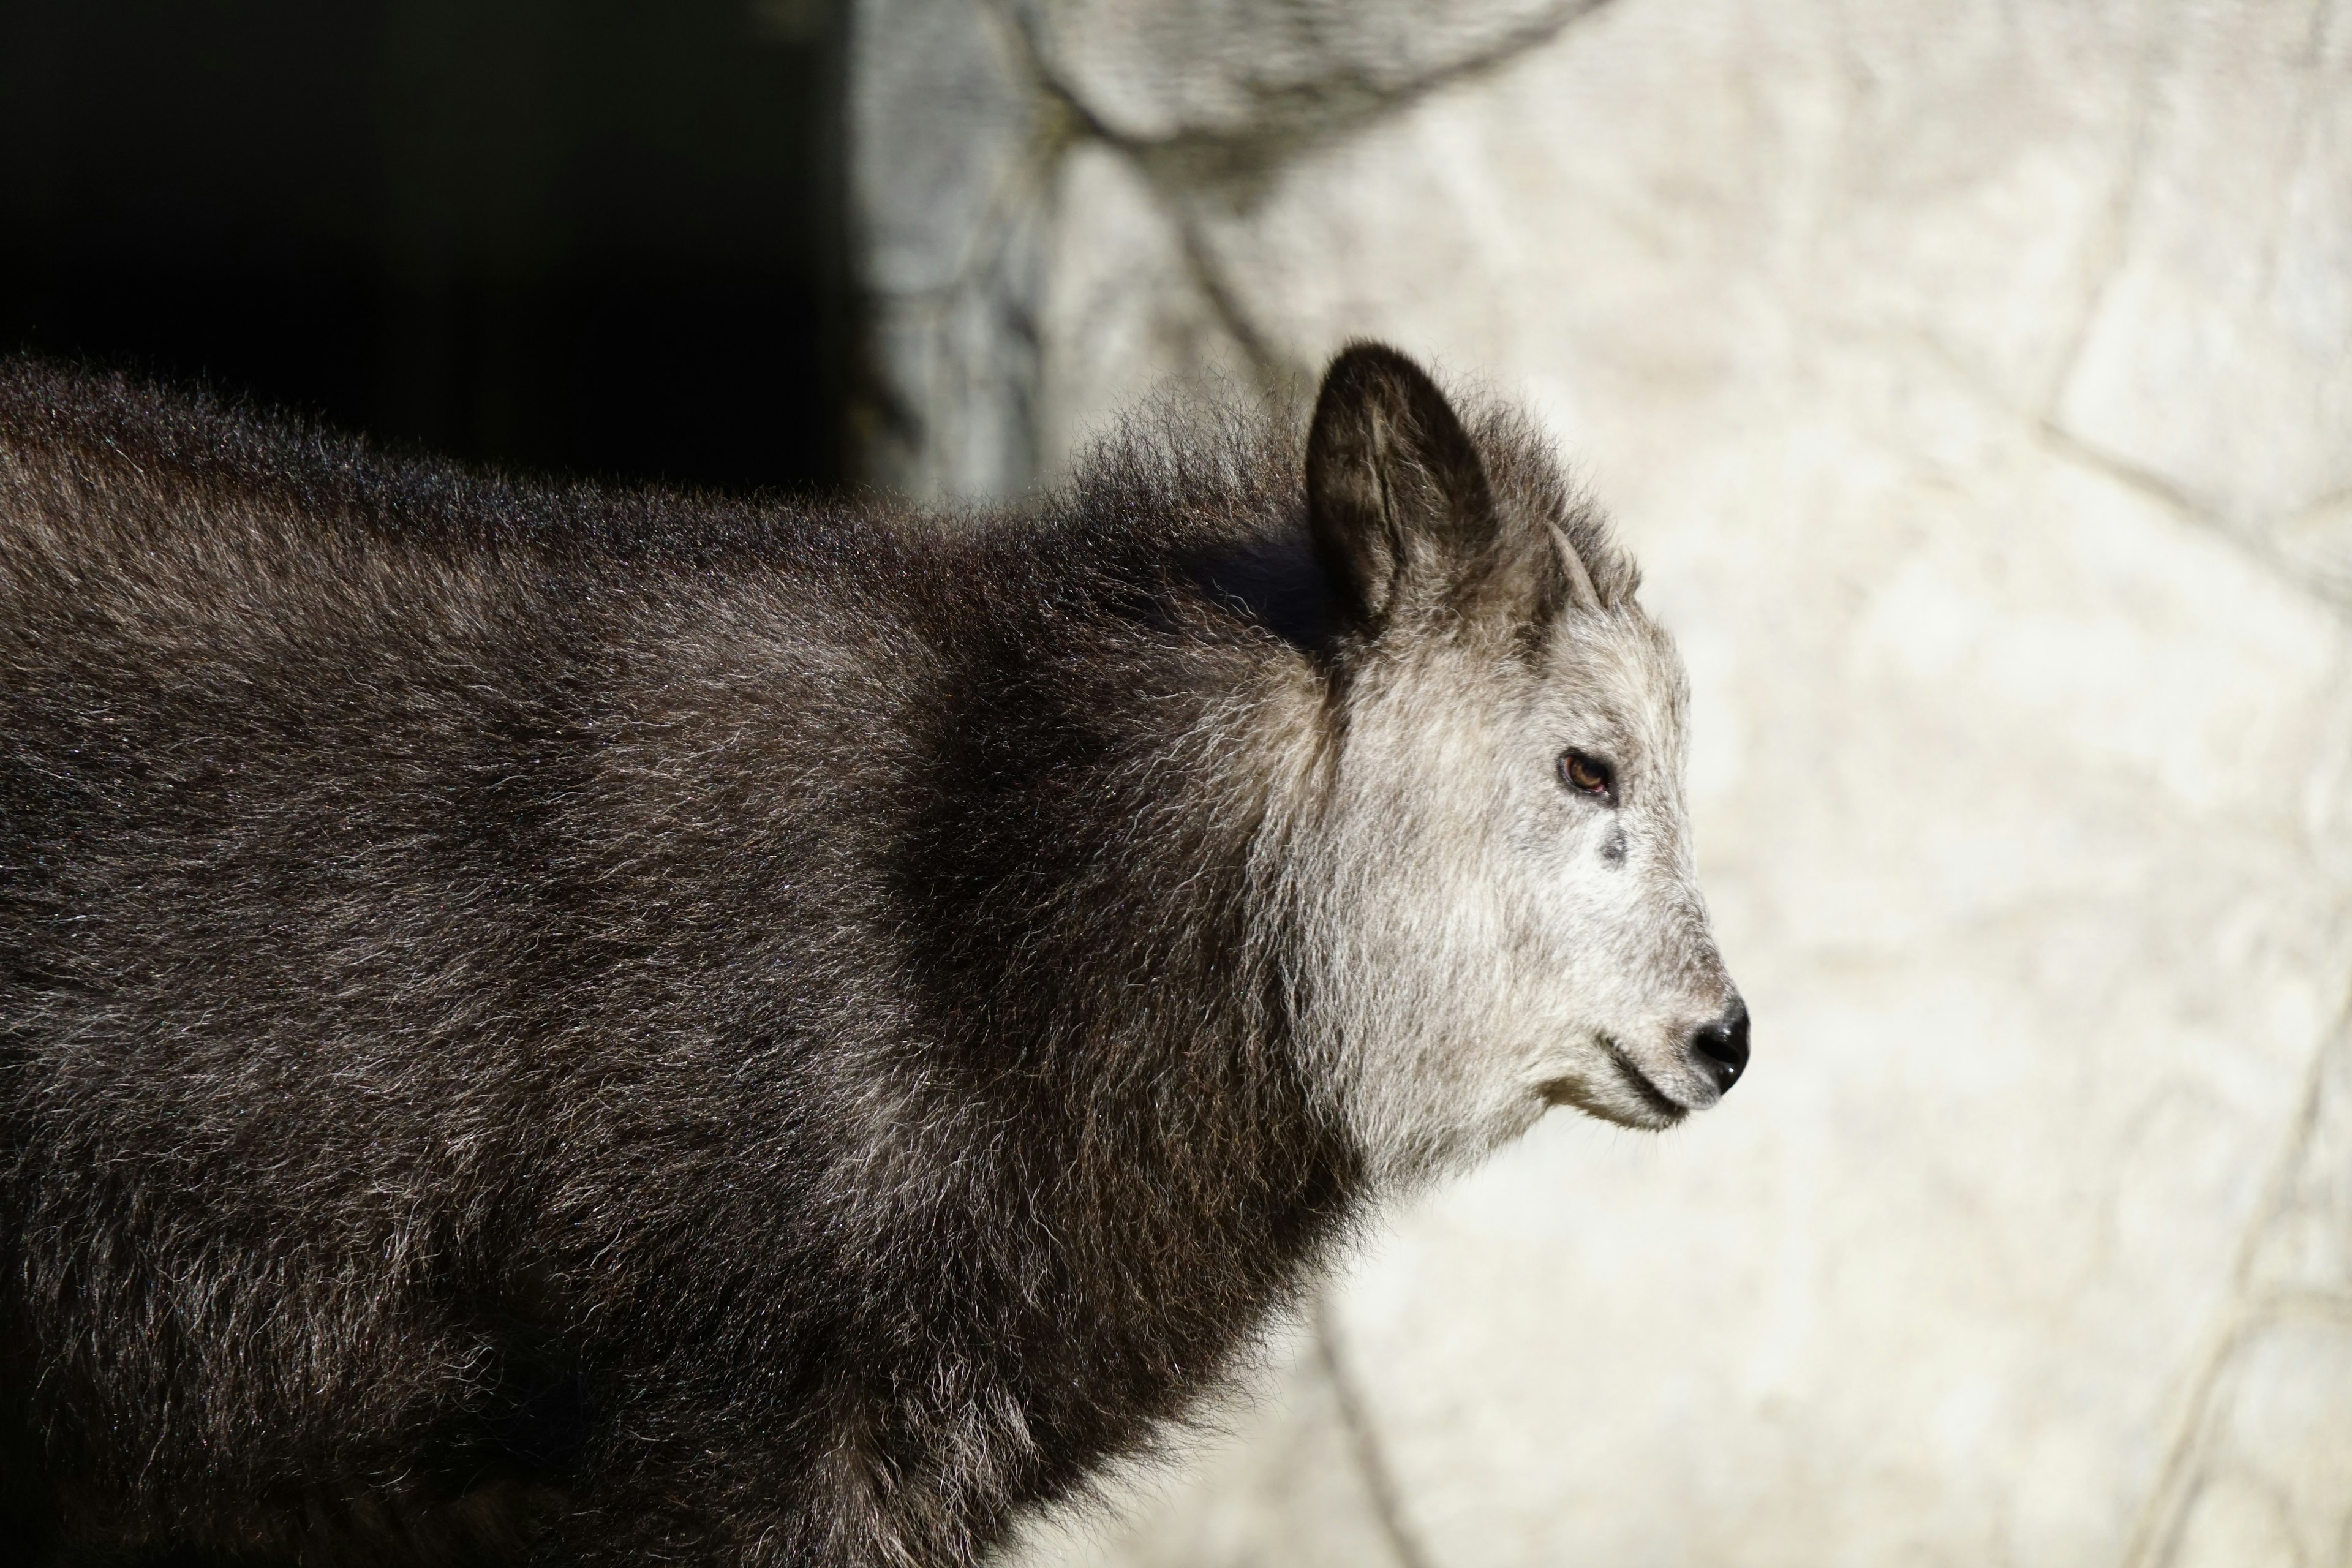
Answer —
(589, 235)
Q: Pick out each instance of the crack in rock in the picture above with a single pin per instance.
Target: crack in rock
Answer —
(1237, 83)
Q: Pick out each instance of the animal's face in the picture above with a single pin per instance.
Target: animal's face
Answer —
(1498, 870)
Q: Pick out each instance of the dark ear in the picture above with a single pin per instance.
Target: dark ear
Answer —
(1397, 499)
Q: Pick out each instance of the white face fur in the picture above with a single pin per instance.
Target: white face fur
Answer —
(1495, 937)
(1494, 860)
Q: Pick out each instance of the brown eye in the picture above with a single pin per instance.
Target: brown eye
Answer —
(1586, 775)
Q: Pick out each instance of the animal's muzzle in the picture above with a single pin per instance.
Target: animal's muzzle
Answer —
(1723, 1044)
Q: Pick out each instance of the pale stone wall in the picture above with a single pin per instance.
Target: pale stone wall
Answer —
(1974, 380)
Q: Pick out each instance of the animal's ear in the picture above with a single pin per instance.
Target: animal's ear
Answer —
(1397, 498)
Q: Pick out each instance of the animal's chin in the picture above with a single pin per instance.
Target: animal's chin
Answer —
(1625, 1095)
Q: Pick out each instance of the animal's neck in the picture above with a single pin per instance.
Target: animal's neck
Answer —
(1181, 1169)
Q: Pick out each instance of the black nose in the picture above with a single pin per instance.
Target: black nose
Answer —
(1723, 1044)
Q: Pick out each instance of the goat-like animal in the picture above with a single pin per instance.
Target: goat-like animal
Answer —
(570, 1024)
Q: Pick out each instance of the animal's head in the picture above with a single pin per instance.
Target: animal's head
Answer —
(1496, 864)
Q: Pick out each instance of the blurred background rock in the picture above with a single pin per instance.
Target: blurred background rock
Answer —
(1974, 382)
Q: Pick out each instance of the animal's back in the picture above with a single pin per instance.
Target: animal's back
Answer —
(329, 854)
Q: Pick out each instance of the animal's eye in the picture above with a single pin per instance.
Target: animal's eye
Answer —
(1586, 773)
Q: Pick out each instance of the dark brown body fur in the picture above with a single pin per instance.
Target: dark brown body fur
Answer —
(566, 1025)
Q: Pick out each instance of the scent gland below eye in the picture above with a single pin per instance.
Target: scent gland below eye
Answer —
(1587, 774)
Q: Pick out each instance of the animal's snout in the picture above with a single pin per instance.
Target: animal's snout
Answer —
(1722, 1045)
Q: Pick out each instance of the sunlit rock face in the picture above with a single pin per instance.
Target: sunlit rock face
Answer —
(1974, 382)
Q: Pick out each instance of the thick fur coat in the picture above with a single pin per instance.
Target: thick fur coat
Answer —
(564, 1024)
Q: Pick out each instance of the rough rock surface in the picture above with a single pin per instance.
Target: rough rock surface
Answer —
(1155, 71)
(946, 181)
(1974, 382)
